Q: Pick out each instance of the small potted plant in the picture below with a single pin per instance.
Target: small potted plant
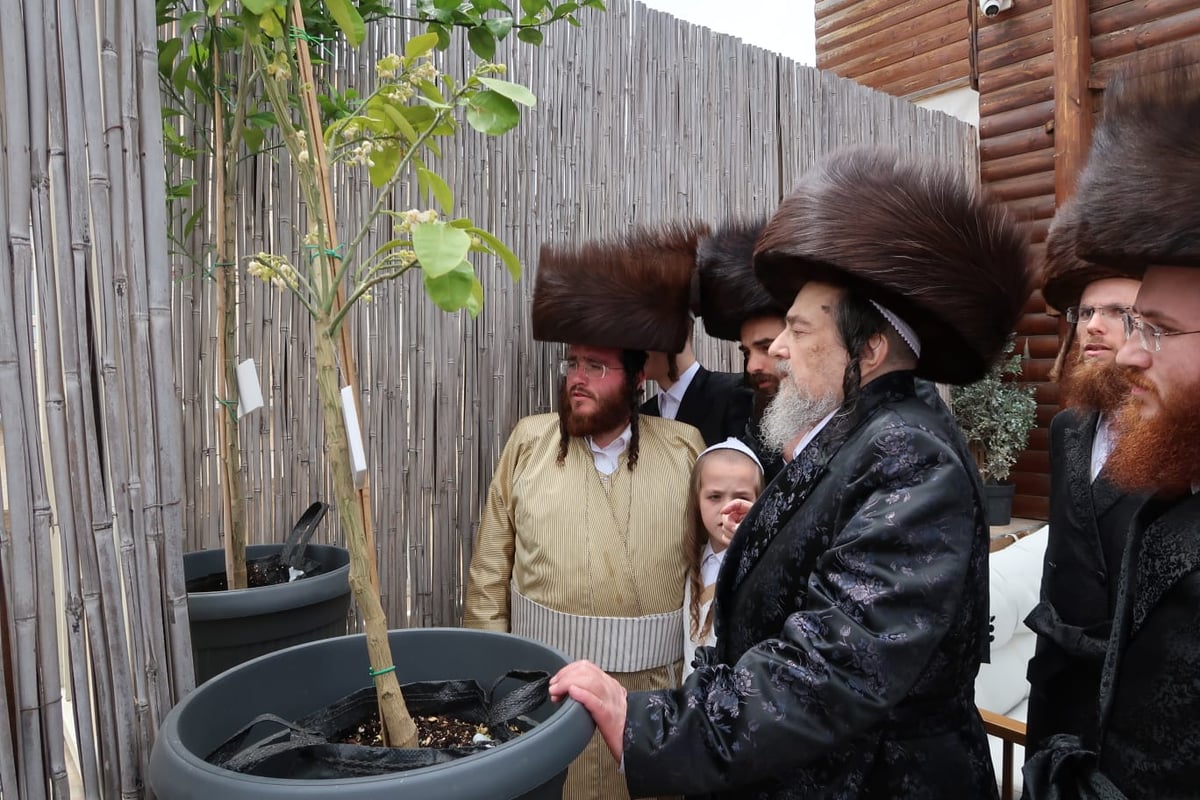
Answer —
(996, 415)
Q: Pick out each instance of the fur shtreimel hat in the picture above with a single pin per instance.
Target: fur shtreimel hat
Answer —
(1064, 274)
(916, 238)
(727, 292)
(632, 293)
(1139, 195)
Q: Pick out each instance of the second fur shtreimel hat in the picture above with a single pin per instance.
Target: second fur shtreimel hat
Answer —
(915, 237)
(632, 292)
(1138, 198)
(727, 291)
(1064, 274)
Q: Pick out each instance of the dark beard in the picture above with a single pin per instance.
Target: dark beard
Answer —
(1097, 385)
(611, 414)
(1158, 454)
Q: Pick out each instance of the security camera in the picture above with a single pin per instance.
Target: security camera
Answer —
(991, 8)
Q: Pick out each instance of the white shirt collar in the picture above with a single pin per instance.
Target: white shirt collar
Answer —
(606, 457)
(669, 400)
(1101, 445)
(808, 437)
(710, 564)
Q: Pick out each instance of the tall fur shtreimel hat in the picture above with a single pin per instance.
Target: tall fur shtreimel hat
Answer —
(727, 291)
(1064, 274)
(632, 292)
(916, 238)
(1139, 195)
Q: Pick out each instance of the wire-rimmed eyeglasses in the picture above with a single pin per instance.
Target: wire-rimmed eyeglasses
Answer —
(594, 370)
(1150, 336)
(1077, 314)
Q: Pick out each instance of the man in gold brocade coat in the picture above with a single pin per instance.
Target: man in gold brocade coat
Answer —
(580, 545)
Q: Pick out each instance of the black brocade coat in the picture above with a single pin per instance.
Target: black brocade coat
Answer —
(1088, 525)
(1148, 745)
(718, 404)
(851, 618)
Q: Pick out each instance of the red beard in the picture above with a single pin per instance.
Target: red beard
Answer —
(1157, 455)
(1098, 385)
(612, 411)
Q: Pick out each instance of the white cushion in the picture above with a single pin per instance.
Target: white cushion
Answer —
(1001, 685)
(1014, 584)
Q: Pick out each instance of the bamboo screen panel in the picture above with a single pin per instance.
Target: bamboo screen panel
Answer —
(110, 465)
(641, 117)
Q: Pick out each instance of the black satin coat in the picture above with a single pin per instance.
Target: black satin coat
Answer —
(851, 618)
(1088, 525)
(1148, 744)
(718, 404)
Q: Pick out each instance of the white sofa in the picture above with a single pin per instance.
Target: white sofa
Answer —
(1015, 582)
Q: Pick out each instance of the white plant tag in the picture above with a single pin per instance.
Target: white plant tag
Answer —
(358, 455)
(249, 392)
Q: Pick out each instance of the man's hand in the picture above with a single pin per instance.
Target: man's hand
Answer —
(732, 515)
(600, 694)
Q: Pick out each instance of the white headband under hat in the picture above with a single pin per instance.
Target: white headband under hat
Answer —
(733, 444)
(903, 328)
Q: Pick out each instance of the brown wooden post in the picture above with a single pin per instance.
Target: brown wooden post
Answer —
(1072, 100)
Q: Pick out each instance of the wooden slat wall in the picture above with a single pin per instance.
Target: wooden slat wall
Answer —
(1015, 59)
(909, 49)
(1016, 153)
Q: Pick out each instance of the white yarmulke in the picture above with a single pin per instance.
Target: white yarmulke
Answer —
(733, 444)
(903, 328)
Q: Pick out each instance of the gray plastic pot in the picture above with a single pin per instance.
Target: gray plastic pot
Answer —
(299, 680)
(232, 627)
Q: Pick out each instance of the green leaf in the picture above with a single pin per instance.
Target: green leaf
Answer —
(456, 289)
(259, 7)
(596, 4)
(441, 190)
(272, 24)
(462, 223)
(214, 6)
(499, 248)
(443, 34)
(492, 113)
(253, 137)
(482, 43)
(499, 26)
(168, 51)
(348, 19)
(531, 36)
(385, 160)
(420, 45)
(513, 91)
(532, 7)
(491, 5)
(563, 9)
(439, 247)
(190, 19)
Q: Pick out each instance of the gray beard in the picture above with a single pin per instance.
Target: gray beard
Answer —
(792, 414)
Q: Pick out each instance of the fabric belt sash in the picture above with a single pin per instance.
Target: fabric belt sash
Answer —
(615, 644)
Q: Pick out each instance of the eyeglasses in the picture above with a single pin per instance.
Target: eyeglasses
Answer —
(1085, 313)
(594, 370)
(1150, 336)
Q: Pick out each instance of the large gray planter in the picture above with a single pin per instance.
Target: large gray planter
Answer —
(299, 680)
(232, 627)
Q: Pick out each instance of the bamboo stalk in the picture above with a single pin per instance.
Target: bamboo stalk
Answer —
(316, 138)
(225, 160)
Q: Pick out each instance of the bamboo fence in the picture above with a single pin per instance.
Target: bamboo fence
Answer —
(109, 411)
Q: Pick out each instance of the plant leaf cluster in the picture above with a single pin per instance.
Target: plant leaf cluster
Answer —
(996, 415)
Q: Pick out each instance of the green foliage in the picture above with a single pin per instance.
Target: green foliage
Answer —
(996, 415)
